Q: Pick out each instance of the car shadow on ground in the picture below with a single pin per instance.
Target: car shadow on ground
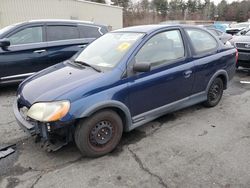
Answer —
(5, 90)
(242, 72)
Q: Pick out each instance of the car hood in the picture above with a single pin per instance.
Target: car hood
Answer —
(55, 81)
(241, 38)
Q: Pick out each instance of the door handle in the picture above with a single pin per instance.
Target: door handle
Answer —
(187, 73)
(82, 46)
(39, 51)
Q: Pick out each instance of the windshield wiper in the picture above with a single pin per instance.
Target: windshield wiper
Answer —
(88, 65)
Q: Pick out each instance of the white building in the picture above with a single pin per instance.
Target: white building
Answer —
(13, 11)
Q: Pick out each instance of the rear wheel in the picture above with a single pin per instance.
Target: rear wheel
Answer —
(99, 134)
(215, 93)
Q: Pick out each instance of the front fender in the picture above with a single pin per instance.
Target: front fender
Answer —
(86, 111)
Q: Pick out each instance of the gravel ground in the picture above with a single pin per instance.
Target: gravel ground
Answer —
(194, 147)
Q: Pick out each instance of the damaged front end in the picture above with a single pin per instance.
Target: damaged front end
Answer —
(52, 135)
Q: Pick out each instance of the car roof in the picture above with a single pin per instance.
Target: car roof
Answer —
(150, 28)
(214, 29)
(58, 21)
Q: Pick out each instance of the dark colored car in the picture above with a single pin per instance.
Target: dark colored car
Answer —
(224, 37)
(121, 81)
(242, 42)
(28, 47)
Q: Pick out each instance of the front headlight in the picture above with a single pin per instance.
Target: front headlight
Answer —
(49, 111)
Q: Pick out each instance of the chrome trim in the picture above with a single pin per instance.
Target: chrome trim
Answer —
(49, 42)
(58, 42)
(17, 76)
(100, 31)
(34, 43)
(39, 51)
(243, 43)
(61, 20)
(82, 46)
(10, 81)
(99, 28)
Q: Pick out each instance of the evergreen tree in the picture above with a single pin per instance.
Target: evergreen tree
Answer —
(212, 10)
(192, 6)
(145, 5)
(161, 7)
(222, 8)
(121, 3)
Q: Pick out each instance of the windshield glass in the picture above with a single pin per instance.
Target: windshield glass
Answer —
(108, 50)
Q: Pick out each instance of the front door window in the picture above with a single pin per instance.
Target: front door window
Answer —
(162, 49)
(27, 36)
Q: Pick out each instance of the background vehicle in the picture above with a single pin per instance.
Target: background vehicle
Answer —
(224, 37)
(235, 28)
(142, 73)
(221, 26)
(218, 26)
(242, 42)
(28, 47)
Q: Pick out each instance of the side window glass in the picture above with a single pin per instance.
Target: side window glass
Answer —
(58, 32)
(26, 36)
(202, 41)
(90, 31)
(162, 49)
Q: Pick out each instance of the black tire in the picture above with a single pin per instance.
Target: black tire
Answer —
(215, 93)
(99, 134)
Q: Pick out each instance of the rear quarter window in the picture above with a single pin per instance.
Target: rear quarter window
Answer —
(90, 31)
(202, 41)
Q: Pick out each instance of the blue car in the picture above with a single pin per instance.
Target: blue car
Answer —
(121, 81)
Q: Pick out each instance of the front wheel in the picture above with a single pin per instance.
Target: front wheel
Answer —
(215, 93)
(99, 134)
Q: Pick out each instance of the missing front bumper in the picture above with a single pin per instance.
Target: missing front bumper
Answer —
(28, 127)
(52, 136)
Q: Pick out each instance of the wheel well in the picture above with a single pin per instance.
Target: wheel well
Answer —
(118, 111)
(224, 80)
(121, 114)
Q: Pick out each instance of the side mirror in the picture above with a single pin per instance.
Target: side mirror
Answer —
(4, 43)
(141, 67)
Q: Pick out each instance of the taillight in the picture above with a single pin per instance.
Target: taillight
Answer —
(237, 56)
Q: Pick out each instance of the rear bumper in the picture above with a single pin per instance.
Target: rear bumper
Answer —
(245, 64)
(244, 56)
(244, 59)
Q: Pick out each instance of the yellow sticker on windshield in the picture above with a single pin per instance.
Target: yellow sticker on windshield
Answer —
(123, 46)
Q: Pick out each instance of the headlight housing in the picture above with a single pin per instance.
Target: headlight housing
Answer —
(49, 111)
